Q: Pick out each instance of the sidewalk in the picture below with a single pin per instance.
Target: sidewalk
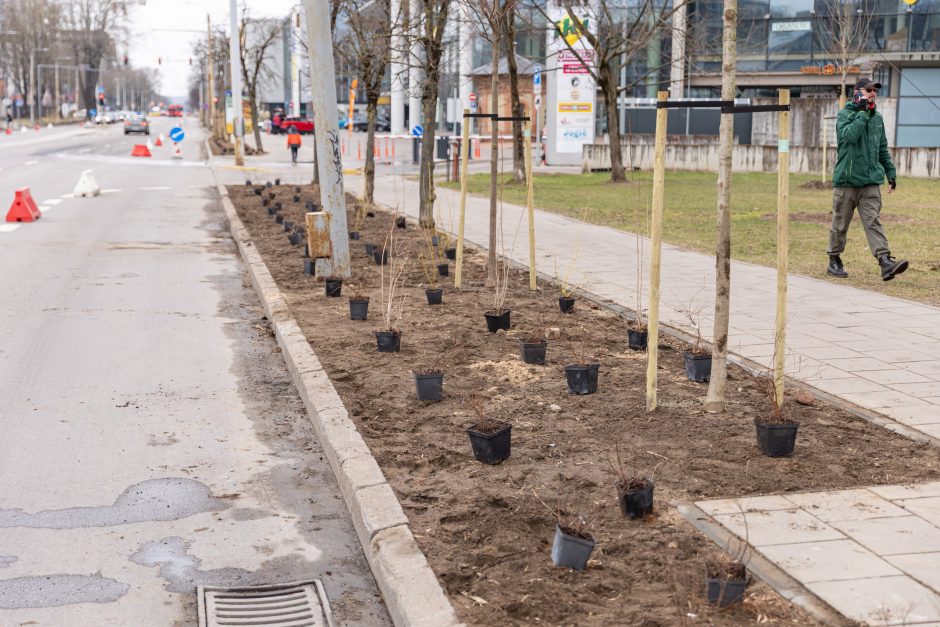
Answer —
(876, 353)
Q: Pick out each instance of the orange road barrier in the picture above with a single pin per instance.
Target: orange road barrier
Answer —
(24, 208)
(140, 150)
(358, 150)
(476, 150)
(386, 147)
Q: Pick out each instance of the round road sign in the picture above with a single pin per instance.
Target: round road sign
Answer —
(177, 134)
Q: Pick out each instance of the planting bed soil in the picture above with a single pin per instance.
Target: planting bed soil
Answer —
(484, 532)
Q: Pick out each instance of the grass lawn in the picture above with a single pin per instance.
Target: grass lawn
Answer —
(911, 217)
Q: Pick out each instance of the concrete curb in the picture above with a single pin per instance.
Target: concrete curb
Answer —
(412, 593)
(788, 587)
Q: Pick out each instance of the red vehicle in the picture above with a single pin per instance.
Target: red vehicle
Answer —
(174, 111)
(302, 125)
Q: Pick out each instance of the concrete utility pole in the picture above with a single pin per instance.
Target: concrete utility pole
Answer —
(34, 92)
(237, 109)
(329, 159)
(210, 75)
(398, 69)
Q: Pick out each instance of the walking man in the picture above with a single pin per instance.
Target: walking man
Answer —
(862, 166)
(293, 142)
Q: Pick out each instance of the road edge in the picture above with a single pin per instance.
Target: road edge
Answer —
(412, 593)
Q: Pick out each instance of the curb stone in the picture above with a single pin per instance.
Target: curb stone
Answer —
(411, 591)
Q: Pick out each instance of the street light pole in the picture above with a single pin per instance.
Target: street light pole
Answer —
(235, 54)
(32, 77)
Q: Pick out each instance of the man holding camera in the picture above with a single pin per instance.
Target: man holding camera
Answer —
(862, 166)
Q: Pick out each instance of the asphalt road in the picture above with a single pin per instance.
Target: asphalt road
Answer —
(150, 438)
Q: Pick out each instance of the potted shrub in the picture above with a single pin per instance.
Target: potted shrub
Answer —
(277, 181)
(358, 306)
(370, 249)
(698, 360)
(400, 222)
(634, 491)
(434, 293)
(490, 439)
(725, 579)
(357, 224)
(334, 286)
(776, 433)
(565, 289)
(388, 338)
(582, 375)
(429, 381)
(573, 543)
(532, 347)
(499, 316)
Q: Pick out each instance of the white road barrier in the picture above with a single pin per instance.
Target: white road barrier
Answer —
(87, 185)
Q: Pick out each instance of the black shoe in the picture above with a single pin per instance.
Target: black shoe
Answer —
(891, 267)
(836, 268)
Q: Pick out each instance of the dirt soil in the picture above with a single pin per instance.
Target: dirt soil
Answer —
(485, 533)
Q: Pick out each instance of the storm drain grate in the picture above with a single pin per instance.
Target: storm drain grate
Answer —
(295, 604)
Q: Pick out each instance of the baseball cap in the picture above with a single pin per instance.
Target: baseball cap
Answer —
(866, 83)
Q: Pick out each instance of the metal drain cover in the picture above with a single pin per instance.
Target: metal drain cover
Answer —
(295, 604)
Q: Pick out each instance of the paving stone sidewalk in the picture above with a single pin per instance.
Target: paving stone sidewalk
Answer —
(875, 352)
(873, 554)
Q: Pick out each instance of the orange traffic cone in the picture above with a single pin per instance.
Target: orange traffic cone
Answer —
(141, 150)
(159, 142)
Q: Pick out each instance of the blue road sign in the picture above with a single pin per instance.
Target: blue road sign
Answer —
(177, 134)
(537, 75)
(418, 130)
(92, 113)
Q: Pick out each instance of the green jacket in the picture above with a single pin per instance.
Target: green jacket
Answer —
(863, 149)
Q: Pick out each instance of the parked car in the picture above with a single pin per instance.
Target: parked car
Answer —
(136, 124)
(361, 123)
(302, 125)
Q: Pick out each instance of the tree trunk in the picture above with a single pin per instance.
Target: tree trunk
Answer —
(494, 156)
(715, 398)
(518, 156)
(428, 110)
(608, 84)
(253, 107)
(316, 159)
(369, 191)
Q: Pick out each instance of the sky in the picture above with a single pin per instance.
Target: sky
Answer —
(152, 36)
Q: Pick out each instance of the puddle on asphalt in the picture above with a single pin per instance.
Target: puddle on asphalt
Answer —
(148, 501)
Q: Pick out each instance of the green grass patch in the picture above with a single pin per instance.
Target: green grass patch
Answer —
(911, 217)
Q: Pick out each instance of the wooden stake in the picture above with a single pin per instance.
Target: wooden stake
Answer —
(656, 237)
(783, 241)
(464, 147)
(530, 204)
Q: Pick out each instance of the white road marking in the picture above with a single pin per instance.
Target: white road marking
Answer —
(44, 209)
(155, 189)
(68, 195)
(31, 163)
(110, 191)
(52, 201)
(7, 228)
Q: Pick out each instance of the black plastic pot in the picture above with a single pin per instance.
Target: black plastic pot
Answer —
(637, 339)
(278, 206)
(358, 308)
(288, 225)
(636, 502)
(496, 321)
(279, 218)
(296, 198)
(277, 181)
(582, 379)
(776, 439)
(268, 185)
(725, 592)
(306, 250)
(491, 448)
(264, 202)
(571, 551)
(434, 240)
(380, 257)
(435, 297)
(388, 341)
(247, 182)
(400, 222)
(450, 253)
(370, 249)
(294, 239)
(533, 352)
(310, 266)
(443, 269)
(334, 287)
(271, 211)
(429, 387)
(257, 192)
(698, 368)
(566, 304)
(354, 235)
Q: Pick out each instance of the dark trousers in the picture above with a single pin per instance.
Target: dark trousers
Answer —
(293, 153)
(868, 201)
